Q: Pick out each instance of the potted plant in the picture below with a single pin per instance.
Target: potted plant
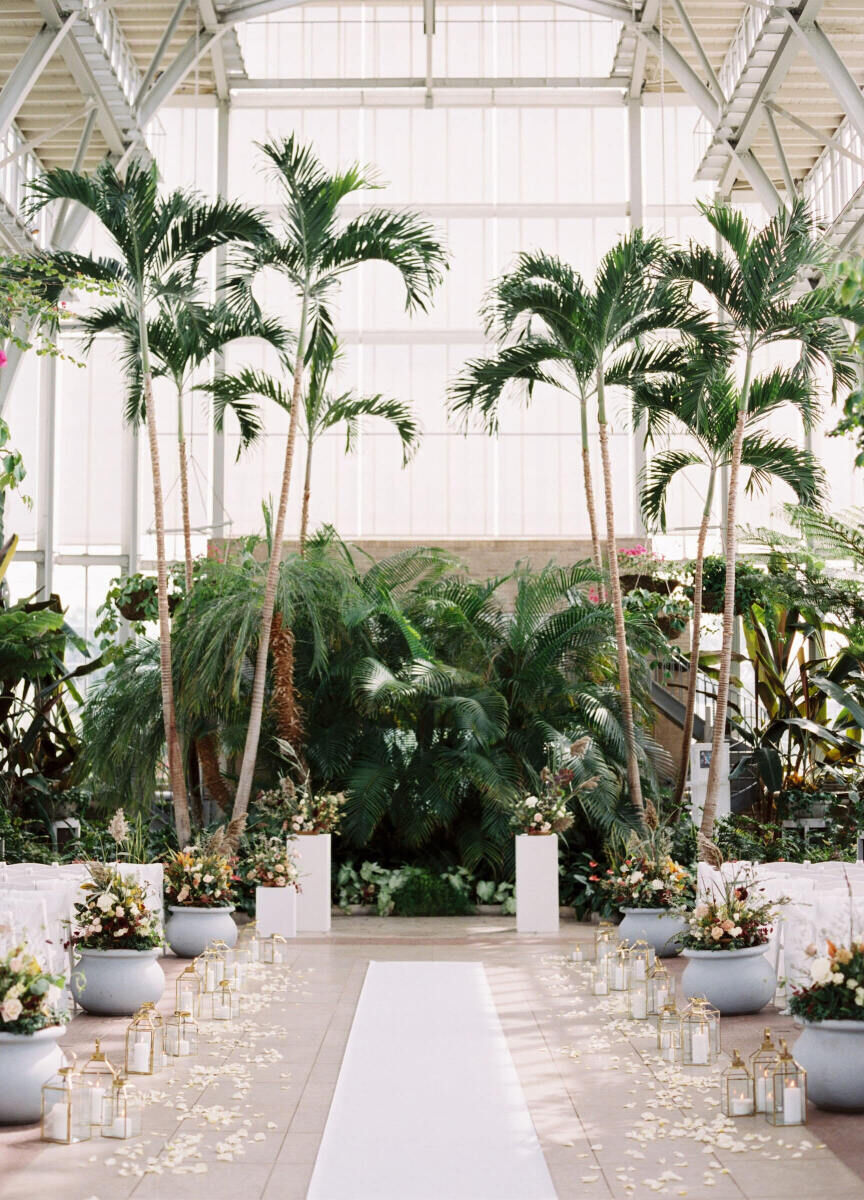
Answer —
(272, 869)
(726, 940)
(32, 1019)
(653, 892)
(314, 818)
(198, 895)
(117, 941)
(831, 1009)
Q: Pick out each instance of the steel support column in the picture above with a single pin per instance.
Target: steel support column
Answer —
(637, 216)
(218, 512)
(45, 504)
(835, 71)
(159, 53)
(63, 225)
(194, 50)
(28, 69)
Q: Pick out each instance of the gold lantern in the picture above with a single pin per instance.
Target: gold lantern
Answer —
(181, 1035)
(696, 1047)
(638, 999)
(599, 980)
(788, 1091)
(737, 1095)
(187, 993)
(97, 1077)
(144, 1051)
(223, 1002)
(239, 961)
(669, 1032)
(660, 990)
(603, 939)
(762, 1069)
(65, 1108)
(619, 969)
(124, 1110)
(211, 965)
(273, 948)
(641, 961)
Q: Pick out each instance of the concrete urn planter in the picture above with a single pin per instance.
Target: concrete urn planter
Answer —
(832, 1054)
(115, 983)
(734, 981)
(27, 1061)
(656, 926)
(190, 930)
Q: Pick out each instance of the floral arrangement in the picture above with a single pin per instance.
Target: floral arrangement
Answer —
(548, 811)
(643, 881)
(199, 876)
(837, 989)
(302, 810)
(736, 920)
(271, 864)
(31, 998)
(114, 914)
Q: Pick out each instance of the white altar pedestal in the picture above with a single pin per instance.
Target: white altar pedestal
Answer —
(313, 865)
(537, 883)
(276, 911)
(700, 762)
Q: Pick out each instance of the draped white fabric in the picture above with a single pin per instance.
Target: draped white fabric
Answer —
(37, 902)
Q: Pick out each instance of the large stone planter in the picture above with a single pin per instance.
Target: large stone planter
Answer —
(537, 909)
(314, 904)
(832, 1054)
(656, 926)
(27, 1061)
(734, 981)
(115, 983)
(189, 930)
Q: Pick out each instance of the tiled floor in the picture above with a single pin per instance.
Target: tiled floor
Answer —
(245, 1121)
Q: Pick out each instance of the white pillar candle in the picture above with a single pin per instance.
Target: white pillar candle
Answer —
(56, 1122)
(187, 1000)
(792, 1111)
(660, 993)
(699, 1047)
(121, 1127)
(171, 1042)
(638, 1007)
(637, 968)
(97, 1104)
(141, 1058)
(761, 1093)
(184, 1050)
(667, 1047)
(742, 1106)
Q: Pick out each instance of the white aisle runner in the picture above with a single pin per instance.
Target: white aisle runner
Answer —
(428, 1105)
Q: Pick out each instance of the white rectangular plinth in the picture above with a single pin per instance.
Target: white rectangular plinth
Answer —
(276, 911)
(313, 863)
(537, 883)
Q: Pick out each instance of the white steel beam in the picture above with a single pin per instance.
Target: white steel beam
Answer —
(194, 50)
(832, 67)
(210, 21)
(791, 190)
(218, 512)
(823, 138)
(45, 497)
(687, 25)
(28, 69)
(62, 221)
(637, 217)
(450, 82)
(35, 142)
(159, 53)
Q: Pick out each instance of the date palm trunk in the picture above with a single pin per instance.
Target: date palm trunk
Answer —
(169, 716)
(709, 813)
(256, 707)
(307, 492)
(633, 777)
(695, 640)
(589, 490)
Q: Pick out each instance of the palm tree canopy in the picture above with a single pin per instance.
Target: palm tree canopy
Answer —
(315, 247)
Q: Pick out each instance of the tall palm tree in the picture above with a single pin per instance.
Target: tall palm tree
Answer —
(610, 336)
(159, 243)
(703, 403)
(754, 280)
(314, 250)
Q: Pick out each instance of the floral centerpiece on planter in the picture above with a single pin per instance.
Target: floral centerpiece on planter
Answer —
(198, 891)
(117, 940)
(653, 891)
(33, 1014)
(726, 939)
(547, 811)
(831, 1009)
(271, 864)
(301, 810)
(30, 998)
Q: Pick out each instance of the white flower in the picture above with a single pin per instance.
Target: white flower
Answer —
(859, 996)
(837, 977)
(118, 911)
(538, 818)
(120, 932)
(852, 984)
(656, 885)
(736, 932)
(208, 878)
(11, 1010)
(105, 901)
(118, 826)
(53, 996)
(16, 964)
(820, 970)
(636, 877)
(183, 893)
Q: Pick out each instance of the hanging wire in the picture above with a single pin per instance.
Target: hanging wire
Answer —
(663, 121)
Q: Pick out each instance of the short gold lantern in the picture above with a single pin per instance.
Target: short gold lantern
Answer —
(66, 1108)
(788, 1091)
(660, 990)
(669, 1032)
(638, 999)
(211, 965)
(696, 1047)
(97, 1077)
(124, 1111)
(223, 1002)
(619, 969)
(187, 993)
(181, 1035)
(599, 979)
(641, 961)
(273, 949)
(762, 1069)
(737, 1095)
(144, 1051)
(603, 940)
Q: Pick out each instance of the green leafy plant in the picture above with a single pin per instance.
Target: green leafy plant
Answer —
(32, 998)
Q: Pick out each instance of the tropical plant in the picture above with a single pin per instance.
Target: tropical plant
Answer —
(314, 251)
(553, 329)
(703, 401)
(753, 281)
(159, 243)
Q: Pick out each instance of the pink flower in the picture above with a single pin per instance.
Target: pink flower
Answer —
(3, 358)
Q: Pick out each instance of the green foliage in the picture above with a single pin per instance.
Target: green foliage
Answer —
(751, 585)
(423, 894)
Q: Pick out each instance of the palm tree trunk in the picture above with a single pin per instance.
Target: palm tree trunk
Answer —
(256, 708)
(589, 490)
(709, 812)
(184, 490)
(695, 639)
(618, 608)
(307, 491)
(172, 741)
(289, 721)
(217, 788)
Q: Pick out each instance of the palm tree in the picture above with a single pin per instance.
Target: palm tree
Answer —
(593, 340)
(703, 402)
(314, 252)
(753, 280)
(159, 243)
